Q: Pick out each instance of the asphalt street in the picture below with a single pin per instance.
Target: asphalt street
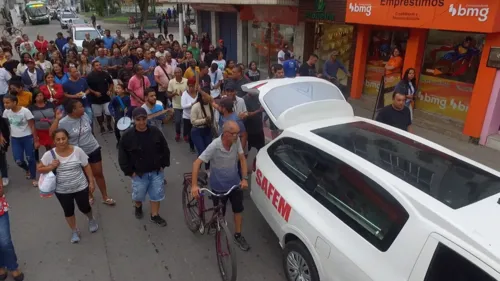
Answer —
(125, 248)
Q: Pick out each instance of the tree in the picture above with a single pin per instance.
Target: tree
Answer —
(143, 7)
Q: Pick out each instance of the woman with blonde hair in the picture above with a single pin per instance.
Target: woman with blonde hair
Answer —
(84, 67)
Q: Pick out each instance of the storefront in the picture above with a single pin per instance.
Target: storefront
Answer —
(326, 33)
(447, 44)
(268, 29)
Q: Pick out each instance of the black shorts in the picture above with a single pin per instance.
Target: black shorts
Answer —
(236, 198)
(257, 140)
(95, 156)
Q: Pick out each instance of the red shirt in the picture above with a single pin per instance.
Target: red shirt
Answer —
(58, 97)
(42, 46)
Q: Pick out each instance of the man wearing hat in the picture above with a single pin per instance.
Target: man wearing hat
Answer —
(331, 67)
(32, 77)
(143, 153)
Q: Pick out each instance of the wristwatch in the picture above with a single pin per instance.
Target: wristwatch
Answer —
(245, 177)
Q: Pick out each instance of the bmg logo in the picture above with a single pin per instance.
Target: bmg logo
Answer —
(361, 8)
(479, 11)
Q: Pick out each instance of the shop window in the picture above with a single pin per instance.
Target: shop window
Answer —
(451, 62)
(265, 41)
(330, 38)
(381, 54)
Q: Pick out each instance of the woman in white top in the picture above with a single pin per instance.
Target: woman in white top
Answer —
(23, 136)
(220, 61)
(43, 64)
(74, 177)
(202, 119)
(188, 99)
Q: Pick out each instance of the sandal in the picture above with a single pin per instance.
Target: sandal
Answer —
(35, 183)
(19, 277)
(91, 201)
(109, 202)
(28, 175)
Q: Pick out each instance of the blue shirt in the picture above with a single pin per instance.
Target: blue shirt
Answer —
(290, 68)
(60, 42)
(108, 42)
(146, 65)
(330, 68)
(232, 117)
(75, 87)
(104, 61)
(62, 80)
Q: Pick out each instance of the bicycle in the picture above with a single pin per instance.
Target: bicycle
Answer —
(194, 216)
(14, 31)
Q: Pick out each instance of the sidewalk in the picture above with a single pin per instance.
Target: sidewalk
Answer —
(481, 154)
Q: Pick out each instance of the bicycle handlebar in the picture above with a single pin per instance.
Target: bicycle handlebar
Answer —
(220, 195)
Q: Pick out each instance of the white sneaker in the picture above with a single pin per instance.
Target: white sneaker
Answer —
(5, 181)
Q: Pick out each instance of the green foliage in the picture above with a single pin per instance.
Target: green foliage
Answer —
(99, 7)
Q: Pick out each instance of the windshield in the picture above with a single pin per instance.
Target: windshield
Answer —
(68, 16)
(80, 34)
(37, 11)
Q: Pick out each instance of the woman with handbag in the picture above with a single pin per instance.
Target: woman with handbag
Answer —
(8, 262)
(74, 180)
(202, 119)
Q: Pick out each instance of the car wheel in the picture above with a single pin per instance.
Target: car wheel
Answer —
(298, 263)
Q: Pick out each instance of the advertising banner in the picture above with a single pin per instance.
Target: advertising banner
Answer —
(373, 76)
(443, 96)
(460, 15)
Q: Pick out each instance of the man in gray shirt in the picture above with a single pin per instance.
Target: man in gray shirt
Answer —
(224, 153)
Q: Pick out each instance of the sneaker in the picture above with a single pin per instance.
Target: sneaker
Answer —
(241, 242)
(93, 226)
(158, 220)
(75, 237)
(5, 181)
(177, 137)
(138, 212)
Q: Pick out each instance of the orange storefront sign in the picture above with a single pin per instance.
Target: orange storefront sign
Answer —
(459, 15)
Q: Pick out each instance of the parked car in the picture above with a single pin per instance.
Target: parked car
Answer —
(78, 32)
(354, 199)
(66, 18)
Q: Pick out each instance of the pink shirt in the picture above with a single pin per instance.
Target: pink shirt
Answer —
(164, 79)
(136, 86)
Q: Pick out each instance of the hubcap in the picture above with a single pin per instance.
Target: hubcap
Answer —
(297, 267)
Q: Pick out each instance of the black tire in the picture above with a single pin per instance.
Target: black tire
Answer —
(192, 222)
(298, 249)
(219, 236)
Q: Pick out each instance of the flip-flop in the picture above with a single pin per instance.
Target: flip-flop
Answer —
(109, 202)
(91, 201)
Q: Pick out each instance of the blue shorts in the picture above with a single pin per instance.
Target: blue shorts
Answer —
(151, 184)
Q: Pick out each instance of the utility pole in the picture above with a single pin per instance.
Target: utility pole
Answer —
(180, 12)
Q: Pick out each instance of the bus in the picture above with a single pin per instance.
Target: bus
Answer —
(37, 12)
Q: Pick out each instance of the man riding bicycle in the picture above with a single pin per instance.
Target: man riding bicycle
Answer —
(223, 154)
(330, 69)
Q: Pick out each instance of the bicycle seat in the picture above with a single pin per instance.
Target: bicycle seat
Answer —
(202, 178)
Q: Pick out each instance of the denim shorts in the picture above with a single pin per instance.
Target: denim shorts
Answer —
(148, 183)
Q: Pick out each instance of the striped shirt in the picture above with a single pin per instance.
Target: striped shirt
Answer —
(70, 175)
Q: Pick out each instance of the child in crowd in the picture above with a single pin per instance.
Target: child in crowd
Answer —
(119, 107)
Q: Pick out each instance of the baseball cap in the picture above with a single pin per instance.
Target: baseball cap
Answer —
(191, 81)
(139, 112)
(230, 86)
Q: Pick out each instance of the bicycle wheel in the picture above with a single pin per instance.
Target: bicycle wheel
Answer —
(225, 250)
(17, 32)
(190, 208)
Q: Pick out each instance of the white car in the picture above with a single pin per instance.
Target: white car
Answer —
(66, 18)
(352, 199)
(78, 34)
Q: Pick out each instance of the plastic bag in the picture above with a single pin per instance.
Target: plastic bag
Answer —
(47, 184)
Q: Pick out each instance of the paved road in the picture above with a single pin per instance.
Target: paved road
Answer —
(125, 248)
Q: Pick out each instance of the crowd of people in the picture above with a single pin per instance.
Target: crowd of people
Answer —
(53, 95)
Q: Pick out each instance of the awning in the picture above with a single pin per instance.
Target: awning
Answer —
(464, 15)
(275, 14)
(215, 8)
(235, 2)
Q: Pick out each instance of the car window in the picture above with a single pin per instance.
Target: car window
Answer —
(358, 201)
(80, 34)
(447, 264)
